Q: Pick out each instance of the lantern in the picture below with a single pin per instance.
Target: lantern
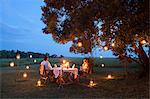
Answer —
(110, 77)
(38, 83)
(101, 56)
(18, 56)
(113, 44)
(91, 84)
(105, 48)
(25, 75)
(143, 42)
(79, 44)
(103, 65)
(30, 56)
(12, 64)
(27, 67)
(35, 61)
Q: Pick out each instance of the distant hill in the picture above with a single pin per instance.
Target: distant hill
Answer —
(13, 53)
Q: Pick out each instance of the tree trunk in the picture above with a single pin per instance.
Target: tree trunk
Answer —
(144, 60)
(90, 65)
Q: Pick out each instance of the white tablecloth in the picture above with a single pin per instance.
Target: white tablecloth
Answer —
(58, 71)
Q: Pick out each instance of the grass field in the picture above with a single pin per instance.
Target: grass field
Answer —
(110, 62)
(13, 86)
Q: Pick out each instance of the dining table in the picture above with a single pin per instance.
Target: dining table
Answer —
(59, 71)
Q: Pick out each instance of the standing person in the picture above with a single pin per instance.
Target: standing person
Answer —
(45, 67)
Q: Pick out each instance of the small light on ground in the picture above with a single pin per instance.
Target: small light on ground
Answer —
(12, 64)
(110, 77)
(91, 84)
(25, 75)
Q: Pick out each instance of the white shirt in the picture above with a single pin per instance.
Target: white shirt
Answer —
(47, 65)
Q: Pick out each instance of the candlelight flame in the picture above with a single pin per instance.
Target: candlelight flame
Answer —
(113, 44)
(67, 63)
(64, 61)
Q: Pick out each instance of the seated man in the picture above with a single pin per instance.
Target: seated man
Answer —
(45, 68)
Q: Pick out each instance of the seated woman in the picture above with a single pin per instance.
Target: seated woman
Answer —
(84, 68)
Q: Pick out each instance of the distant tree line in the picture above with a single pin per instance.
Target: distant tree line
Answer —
(13, 53)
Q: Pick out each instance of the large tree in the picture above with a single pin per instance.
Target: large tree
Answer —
(119, 25)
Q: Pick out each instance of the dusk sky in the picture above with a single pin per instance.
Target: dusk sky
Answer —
(21, 29)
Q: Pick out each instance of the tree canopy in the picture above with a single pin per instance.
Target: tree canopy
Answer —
(118, 25)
